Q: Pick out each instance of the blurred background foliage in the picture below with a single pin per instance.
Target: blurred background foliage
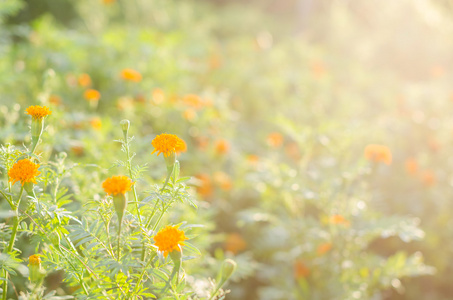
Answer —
(277, 101)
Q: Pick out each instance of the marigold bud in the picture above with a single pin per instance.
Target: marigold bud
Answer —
(120, 203)
(34, 265)
(228, 268)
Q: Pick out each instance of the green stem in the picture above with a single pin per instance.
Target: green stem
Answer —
(13, 238)
(16, 222)
(141, 277)
(119, 235)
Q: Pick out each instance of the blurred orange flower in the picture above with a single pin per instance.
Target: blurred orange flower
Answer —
(96, 123)
(108, 1)
(293, 151)
(92, 95)
(428, 177)
(324, 248)
(193, 101)
(411, 166)
(223, 180)
(189, 114)
(300, 270)
(205, 188)
(222, 146)
(158, 96)
(84, 80)
(202, 142)
(131, 75)
(275, 139)
(339, 219)
(234, 243)
(77, 150)
(318, 69)
(55, 99)
(378, 153)
(253, 159)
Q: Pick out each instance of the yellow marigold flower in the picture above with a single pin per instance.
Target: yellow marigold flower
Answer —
(34, 260)
(167, 144)
(84, 80)
(24, 171)
(92, 95)
(169, 239)
(38, 112)
(131, 75)
(378, 153)
(117, 185)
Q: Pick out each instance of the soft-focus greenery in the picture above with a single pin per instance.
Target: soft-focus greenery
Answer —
(276, 105)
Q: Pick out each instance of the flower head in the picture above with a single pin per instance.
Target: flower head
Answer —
(117, 185)
(34, 260)
(300, 270)
(169, 239)
(378, 153)
(167, 144)
(38, 112)
(324, 248)
(131, 75)
(275, 139)
(84, 80)
(222, 146)
(24, 171)
(92, 95)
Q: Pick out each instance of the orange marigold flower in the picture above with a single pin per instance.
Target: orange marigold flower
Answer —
(275, 139)
(96, 123)
(339, 219)
(92, 95)
(108, 1)
(38, 112)
(131, 75)
(193, 100)
(222, 146)
(34, 260)
(411, 166)
(168, 143)
(378, 153)
(169, 239)
(300, 270)
(24, 171)
(205, 188)
(253, 159)
(324, 248)
(84, 80)
(117, 185)
(235, 243)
